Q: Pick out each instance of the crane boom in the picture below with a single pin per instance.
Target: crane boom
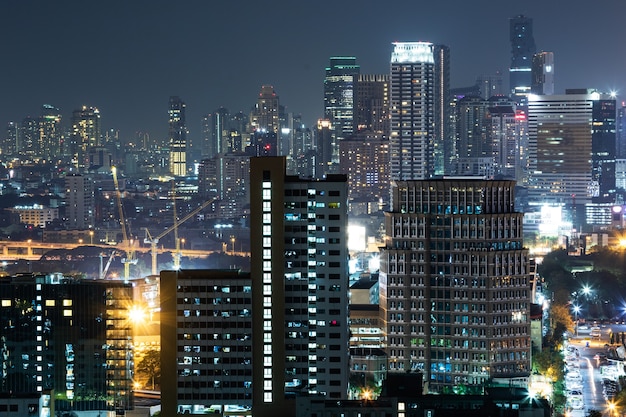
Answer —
(153, 241)
(130, 255)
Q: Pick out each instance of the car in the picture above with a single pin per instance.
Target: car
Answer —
(576, 403)
(575, 394)
(574, 385)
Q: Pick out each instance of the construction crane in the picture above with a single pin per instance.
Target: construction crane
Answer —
(127, 243)
(105, 269)
(153, 241)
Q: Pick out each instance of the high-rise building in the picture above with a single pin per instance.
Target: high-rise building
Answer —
(571, 147)
(67, 335)
(620, 127)
(11, 139)
(324, 146)
(206, 342)
(265, 114)
(490, 85)
(454, 282)
(522, 51)
(177, 135)
(50, 134)
(364, 159)
(79, 202)
(29, 137)
(508, 127)
(299, 286)
(85, 134)
(419, 109)
(543, 73)
(371, 103)
(339, 88)
(216, 132)
(226, 177)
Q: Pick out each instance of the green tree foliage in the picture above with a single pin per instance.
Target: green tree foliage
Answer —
(150, 366)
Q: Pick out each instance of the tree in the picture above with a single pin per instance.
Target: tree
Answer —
(150, 366)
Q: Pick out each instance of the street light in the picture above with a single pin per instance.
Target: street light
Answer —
(91, 237)
(232, 241)
(586, 290)
(576, 311)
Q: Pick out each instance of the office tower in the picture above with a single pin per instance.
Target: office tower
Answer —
(543, 73)
(29, 137)
(302, 158)
(11, 139)
(50, 132)
(472, 139)
(371, 103)
(419, 109)
(324, 145)
(264, 115)
(69, 335)
(85, 133)
(79, 202)
(571, 147)
(455, 283)
(508, 127)
(339, 85)
(522, 51)
(226, 177)
(620, 130)
(206, 341)
(364, 159)
(490, 85)
(604, 147)
(177, 135)
(216, 132)
(299, 286)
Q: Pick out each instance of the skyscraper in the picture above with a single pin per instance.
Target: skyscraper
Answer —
(455, 282)
(419, 109)
(299, 286)
(86, 133)
(339, 85)
(339, 92)
(50, 132)
(571, 146)
(177, 135)
(264, 116)
(216, 131)
(522, 51)
(543, 73)
(371, 103)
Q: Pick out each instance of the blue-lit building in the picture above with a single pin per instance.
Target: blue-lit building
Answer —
(522, 51)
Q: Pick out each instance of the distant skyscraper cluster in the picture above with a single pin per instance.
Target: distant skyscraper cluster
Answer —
(446, 172)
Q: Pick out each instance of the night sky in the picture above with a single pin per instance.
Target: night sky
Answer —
(127, 57)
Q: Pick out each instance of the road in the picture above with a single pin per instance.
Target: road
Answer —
(590, 367)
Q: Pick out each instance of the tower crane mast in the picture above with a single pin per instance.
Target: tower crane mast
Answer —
(130, 252)
(153, 241)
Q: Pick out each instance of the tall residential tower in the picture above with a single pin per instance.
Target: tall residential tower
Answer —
(419, 109)
(177, 137)
(299, 286)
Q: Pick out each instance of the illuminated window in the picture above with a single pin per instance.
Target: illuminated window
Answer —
(50, 303)
(267, 385)
(67, 303)
(267, 397)
(6, 303)
(67, 313)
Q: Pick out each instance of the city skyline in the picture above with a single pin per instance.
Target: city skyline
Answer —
(127, 59)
